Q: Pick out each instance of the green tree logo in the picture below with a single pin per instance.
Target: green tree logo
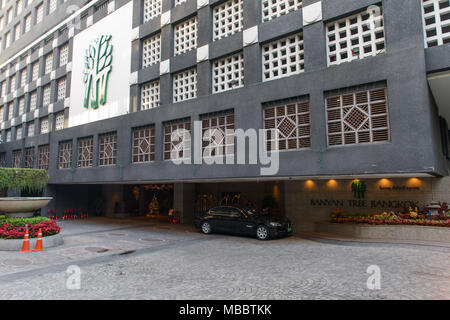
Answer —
(97, 66)
(358, 189)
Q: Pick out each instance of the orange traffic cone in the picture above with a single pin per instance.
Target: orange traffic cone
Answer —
(26, 243)
(39, 246)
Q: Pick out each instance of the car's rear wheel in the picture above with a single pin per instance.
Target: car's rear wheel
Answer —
(206, 227)
(262, 232)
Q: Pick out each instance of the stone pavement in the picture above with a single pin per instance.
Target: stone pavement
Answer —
(141, 259)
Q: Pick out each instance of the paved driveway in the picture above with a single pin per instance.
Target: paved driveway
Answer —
(137, 259)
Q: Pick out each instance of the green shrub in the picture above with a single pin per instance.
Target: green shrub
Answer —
(19, 179)
(22, 222)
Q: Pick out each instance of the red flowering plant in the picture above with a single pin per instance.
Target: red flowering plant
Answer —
(15, 228)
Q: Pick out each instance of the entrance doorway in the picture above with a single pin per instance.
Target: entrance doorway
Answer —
(150, 200)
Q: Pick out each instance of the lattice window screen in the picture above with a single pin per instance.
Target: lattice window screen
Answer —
(436, 22)
(272, 9)
(227, 19)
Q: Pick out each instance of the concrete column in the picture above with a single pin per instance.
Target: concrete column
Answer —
(113, 195)
(184, 201)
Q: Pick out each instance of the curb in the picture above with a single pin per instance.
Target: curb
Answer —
(16, 244)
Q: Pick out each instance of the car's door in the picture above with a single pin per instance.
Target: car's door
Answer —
(235, 221)
(218, 218)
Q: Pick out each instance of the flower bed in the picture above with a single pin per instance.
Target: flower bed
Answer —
(14, 228)
(442, 220)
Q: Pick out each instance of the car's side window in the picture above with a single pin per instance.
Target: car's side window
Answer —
(234, 212)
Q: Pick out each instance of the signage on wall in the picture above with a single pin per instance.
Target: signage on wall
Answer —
(97, 66)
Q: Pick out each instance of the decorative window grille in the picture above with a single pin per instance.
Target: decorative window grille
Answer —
(44, 125)
(436, 22)
(33, 100)
(108, 149)
(17, 158)
(59, 121)
(214, 130)
(29, 158)
(21, 106)
(283, 58)
(292, 120)
(152, 9)
(178, 2)
(35, 71)
(39, 13)
(185, 85)
(63, 55)
(27, 23)
(17, 32)
(48, 63)
(43, 157)
(52, 6)
(46, 95)
(10, 111)
(355, 118)
(272, 9)
(2, 160)
(228, 73)
(151, 50)
(144, 144)
(180, 148)
(150, 95)
(227, 19)
(65, 155)
(356, 37)
(85, 152)
(23, 77)
(30, 131)
(185, 38)
(62, 89)
(8, 135)
(12, 83)
(18, 132)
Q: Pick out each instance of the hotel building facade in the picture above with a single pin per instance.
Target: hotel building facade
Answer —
(92, 91)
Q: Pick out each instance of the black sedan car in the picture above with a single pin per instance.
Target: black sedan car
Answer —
(243, 221)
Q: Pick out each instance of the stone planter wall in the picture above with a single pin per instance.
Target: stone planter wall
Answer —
(16, 244)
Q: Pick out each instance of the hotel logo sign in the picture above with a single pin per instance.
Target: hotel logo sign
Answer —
(97, 66)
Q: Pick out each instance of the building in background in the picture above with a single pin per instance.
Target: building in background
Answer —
(93, 90)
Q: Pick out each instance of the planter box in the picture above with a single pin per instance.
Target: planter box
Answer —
(16, 244)
(385, 232)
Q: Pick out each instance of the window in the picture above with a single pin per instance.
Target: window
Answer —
(63, 55)
(436, 20)
(8, 135)
(65, 155)
(9, 15)
(3, 160)
(151, 50)
(44, 125)
(17, 32)
(21, 106)
(185, 38)
(48, 63)
(29, 158)
(35, 71)
(1, 23)
(10, 110)
(272, 9)
(85, 152)
(17, 158)
(107, 149)
(23, 77)
(178, 2)
(152, 9)
(27, 23)
(2, 113)
(219, 141)
(7, 39)
(19, 7)
(227, 19)
(12, 83)
(30, 131)
(62, 89)
(180, 147)
(292, 120)
(355, 37)
(43, 157)
(46, 95)
(52, 6)
(39, 13)
(19, 133)
(33, 101)
(355, 118)
(228, 73)
(59, 121)
(143, 144)
(185, 85)
(3, 88)
(150, 95)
